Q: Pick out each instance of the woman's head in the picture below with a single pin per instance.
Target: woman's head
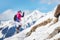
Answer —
(19, 11)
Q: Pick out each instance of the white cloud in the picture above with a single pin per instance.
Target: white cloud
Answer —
(50, 1)
(7, 15)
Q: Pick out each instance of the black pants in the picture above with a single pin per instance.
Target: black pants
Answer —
(18, 28)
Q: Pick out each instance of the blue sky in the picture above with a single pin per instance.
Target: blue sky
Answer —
(42, 5)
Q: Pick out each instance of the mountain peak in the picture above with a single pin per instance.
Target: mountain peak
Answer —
(38, 12)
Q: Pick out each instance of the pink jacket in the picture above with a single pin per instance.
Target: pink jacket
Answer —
(19, 15)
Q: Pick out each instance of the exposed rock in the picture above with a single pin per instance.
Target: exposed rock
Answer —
(57, 13)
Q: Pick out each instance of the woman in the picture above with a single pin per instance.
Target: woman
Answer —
(17, 19)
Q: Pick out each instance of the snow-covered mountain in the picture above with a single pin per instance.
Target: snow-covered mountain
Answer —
(31, 18)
